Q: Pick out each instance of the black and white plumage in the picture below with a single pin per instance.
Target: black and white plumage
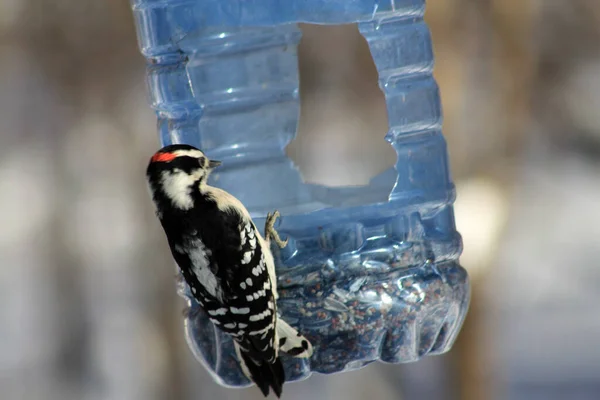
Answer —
(225, 261)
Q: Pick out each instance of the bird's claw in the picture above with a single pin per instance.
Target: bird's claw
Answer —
(270, 231)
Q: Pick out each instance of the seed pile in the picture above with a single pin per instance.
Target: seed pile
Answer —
(396, 317)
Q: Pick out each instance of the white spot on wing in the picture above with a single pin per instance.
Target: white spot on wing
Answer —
(243, 310)
(269, 264)
(252, 243)
(248, 281)
(247, 257)
(243, 285)
(230, 325)
(263, 331)
(260, 316)
(218, 311)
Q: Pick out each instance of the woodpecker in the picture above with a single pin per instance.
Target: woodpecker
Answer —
(225, 261)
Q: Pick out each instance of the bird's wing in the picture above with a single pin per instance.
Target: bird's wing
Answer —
(236, 290)
(248, 290)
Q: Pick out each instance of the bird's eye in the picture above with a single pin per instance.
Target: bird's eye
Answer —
(202, 161)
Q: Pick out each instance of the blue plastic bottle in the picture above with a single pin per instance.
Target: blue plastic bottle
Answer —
(363, 281)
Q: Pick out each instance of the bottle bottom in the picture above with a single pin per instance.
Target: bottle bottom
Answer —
(392, 317)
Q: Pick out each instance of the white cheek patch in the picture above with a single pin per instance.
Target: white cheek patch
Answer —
(177, 186)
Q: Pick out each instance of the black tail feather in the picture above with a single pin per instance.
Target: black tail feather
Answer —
(265, 374)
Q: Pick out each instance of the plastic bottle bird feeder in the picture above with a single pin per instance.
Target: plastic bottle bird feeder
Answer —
(363, 281)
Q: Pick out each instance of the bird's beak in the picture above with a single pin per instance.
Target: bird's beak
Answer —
(213, 164)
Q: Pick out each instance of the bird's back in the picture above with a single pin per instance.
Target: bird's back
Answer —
(223, 262)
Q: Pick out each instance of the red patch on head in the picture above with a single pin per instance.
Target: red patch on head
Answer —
(163, 157)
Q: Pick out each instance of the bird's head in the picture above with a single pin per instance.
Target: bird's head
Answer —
(175, 170)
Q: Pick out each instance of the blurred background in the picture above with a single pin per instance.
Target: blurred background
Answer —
(88, 308)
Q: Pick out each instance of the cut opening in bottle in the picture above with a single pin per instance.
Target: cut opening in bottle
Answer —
(340, 140)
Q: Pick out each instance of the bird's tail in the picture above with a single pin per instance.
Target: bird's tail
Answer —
(263, 373)
(267, 374)
(292, 342)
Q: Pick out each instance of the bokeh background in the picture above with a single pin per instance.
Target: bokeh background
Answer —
(88, 308)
